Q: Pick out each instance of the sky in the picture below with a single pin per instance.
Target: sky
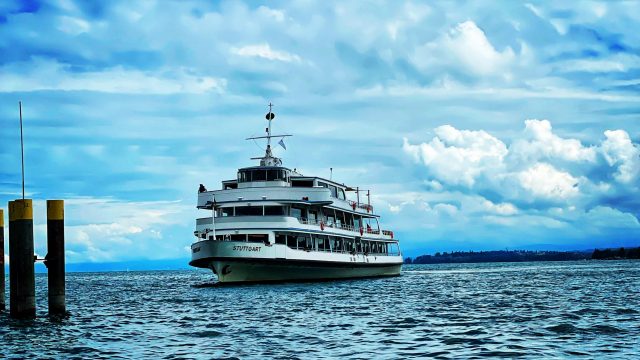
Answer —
(476, 125)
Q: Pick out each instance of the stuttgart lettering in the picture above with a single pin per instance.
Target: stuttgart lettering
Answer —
(246, 248)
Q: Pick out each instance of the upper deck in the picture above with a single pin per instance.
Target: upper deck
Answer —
(278, 184)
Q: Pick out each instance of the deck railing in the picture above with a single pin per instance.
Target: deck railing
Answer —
(345, 227)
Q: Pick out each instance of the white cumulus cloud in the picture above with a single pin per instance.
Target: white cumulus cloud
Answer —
(543, 180)
(264, 51)
(466, 45)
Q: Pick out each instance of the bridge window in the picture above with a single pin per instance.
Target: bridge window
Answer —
(258, 175)
(276, 175)
(274, 210)
(249, 211)
(341, 194)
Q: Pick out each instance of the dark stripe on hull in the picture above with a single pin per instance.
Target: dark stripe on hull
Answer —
(204, 262)
(231, 270)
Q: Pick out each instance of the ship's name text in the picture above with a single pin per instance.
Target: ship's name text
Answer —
(246, 248)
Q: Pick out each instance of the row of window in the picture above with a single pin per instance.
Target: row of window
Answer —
(252, 238)
(262, 175)
(251, 211)
(283, 175)
(332, 217)
(336, 192)
(309, 242)
(313, 242)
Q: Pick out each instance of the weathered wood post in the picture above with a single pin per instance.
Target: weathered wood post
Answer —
(22, 279)
(55, 257)
(2, 289)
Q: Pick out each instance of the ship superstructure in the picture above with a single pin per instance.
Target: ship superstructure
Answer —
(272, 223)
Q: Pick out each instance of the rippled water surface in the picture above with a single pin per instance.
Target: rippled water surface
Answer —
(446, 311)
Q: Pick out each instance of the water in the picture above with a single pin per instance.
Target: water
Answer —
(446, 311)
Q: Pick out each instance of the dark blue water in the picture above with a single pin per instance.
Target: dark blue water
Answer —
(448, 311)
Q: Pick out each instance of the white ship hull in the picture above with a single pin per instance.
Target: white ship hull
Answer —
(247, 262)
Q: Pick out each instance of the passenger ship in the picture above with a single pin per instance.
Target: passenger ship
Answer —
(272, 223)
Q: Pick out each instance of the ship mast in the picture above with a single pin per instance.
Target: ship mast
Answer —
(268, 159)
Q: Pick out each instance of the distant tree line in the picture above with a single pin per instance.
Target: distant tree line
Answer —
(522, 255)
(614, 254)
(498, 256)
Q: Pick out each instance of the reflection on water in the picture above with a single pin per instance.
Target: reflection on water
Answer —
(446, 311)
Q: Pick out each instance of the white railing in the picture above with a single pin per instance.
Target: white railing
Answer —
(340, 226)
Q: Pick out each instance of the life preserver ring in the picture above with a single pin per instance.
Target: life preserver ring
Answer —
(322, 225)
(353, 205)
(361, 230)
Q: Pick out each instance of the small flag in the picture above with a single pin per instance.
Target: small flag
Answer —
(281, 143)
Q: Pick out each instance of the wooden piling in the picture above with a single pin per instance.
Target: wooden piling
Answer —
(55, 257)
(22, 289)
(3, 305)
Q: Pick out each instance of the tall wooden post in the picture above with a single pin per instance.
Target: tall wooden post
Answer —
(55, 257)
(22, 279)
(2, 288)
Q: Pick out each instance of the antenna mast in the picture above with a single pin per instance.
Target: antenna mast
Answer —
(268, 159)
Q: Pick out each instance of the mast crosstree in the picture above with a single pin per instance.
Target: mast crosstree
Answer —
(268, 159)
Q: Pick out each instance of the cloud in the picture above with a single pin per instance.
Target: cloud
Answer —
(106, 229)
(539, 170)
(539, 142)
(544, 181)
(40, 74)
(264, 51)
(466, 45)
(458, 157)
(621, 153)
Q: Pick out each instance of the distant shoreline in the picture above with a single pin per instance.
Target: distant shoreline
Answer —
(522, 256)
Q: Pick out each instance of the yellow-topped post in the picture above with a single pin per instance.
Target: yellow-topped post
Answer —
(55, 257)
(22, 291)
(2, 289)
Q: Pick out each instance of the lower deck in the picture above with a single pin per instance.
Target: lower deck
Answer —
(237, 261)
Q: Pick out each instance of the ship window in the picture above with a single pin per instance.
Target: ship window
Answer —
(356, 222)
(272, 175)
(341, 195)
(336, 246)
(302, 183)
(339, 217)
(292, 242)
(281, 239)
(238, 237)
(258, 175)
(244, 176)
(258, 238)
(296, 213)
(322, 243)
(348, 245)
(312, 217)
(304, 242)
(332, 243)
(274, 210)
(334, 191)
(249, 211)
(225, 212)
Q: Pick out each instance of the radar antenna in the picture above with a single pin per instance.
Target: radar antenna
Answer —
(268, 159)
